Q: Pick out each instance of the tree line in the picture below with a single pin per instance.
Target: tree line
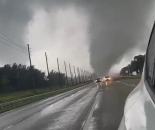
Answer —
(21, 77)
(136, 65)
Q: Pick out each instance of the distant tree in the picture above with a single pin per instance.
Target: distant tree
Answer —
(139, 62)
(136, 65)
(19, 77)
(54, 78)
(4, 82)
(124, 71)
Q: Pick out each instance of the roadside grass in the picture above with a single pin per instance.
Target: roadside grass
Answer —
(127, 77)
(22, 94)
(19, 95)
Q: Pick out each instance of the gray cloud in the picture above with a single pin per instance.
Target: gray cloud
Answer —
(14, 16)
(115, 26)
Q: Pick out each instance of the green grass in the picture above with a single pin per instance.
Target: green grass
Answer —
(18, 95)
(22, 94)
(127, 77)
(29, 102)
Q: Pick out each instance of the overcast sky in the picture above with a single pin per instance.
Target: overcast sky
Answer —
(100, 36)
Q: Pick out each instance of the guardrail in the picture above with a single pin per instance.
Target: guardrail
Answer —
(27, 100)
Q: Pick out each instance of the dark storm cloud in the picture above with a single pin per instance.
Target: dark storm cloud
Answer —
(14, 16)
(115, 25)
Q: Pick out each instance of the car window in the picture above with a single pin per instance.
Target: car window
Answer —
(150, 60)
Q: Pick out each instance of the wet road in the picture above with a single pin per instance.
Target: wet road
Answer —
(109, 108)
(72, 110)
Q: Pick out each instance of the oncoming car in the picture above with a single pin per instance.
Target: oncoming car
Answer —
(139, 111)
(98, 80)
(107, 78)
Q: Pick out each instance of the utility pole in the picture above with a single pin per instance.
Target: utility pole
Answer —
(75, 75)
(47, 70)
(71, 74)
(78, 74)
(91, 76)
(66, 73)
(86, 75)
(82, 75)
(29, 54)
(30, 66)
(59, 73)
(47, 64)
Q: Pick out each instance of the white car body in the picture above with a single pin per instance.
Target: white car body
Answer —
(139, 111)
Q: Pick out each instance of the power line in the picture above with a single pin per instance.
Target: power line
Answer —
(12, 46)
(12, 41)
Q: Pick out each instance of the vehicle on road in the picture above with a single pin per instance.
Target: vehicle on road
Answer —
(107, 78)
(98, 80)
(139, 111)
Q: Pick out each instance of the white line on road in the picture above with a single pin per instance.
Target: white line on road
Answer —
(126, 84)
(8, 127)
(87, 123)
(61, 99)
(43, 100)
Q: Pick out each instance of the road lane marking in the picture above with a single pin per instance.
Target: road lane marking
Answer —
(47, 99)
(126, 84)
(8, 127)
(61, 99)
(88, 120)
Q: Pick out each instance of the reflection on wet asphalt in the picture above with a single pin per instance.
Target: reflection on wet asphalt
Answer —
(70, 111)
(109, 108)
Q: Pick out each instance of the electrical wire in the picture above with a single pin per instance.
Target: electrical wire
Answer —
(12, 46)
(12, 42)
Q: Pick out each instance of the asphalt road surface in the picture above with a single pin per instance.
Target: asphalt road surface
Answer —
(93, 107)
